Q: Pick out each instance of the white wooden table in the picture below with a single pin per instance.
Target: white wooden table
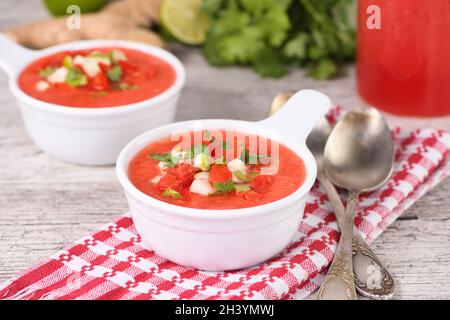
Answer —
(45, 203)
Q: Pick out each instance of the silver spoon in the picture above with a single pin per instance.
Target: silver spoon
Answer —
(358, 156)
(378, 283)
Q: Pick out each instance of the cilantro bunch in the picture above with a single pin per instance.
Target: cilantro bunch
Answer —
(271, 35)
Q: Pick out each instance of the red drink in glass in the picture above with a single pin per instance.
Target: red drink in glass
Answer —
(404, 66)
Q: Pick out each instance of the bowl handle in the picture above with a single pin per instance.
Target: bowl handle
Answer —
(13, 56)
(300, 114)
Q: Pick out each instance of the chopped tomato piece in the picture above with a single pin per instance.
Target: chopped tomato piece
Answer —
(261, 183)
(169, 181)
(184, 172)
(99, 82)
(127, 67)
(104, 67)
(219, 173)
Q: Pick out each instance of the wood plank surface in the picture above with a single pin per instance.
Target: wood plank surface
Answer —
(45, 203)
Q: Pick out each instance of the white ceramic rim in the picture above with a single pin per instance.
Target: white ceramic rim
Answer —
(114, 110)
(208, 214)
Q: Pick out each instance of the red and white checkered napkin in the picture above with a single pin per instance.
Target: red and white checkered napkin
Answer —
(112, 264)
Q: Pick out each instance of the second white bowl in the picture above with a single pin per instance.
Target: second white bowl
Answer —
(88, 136)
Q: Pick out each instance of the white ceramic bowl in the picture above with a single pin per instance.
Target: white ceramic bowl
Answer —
(88, 136)
(217, 240)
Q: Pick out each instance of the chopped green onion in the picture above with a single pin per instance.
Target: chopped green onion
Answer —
(171, 193)
(241, 175)
(242, 187)
(67, 62)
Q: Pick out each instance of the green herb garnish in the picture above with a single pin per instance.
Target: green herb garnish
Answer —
(124, 86)
(270, 35)
(100, 54)
(127, 86)
(76, 78)
(253, 174)
(164, 157)
(241, 175)
(67, 62)
(197, 149)
(47, 71)
(223, 187)
(115, 73)
(248, 158)
(242, 187)
(171, 193)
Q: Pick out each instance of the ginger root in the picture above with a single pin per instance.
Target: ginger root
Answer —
(123, 19)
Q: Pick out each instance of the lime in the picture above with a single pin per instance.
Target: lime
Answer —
(59, 7)
(185, 20)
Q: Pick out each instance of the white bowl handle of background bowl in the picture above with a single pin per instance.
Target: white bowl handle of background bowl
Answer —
(300, 114)
(13, 57)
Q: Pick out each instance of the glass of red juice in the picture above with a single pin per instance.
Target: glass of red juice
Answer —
(403, 56)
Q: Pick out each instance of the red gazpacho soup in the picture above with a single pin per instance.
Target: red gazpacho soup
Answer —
(96, 78)
(217, 170)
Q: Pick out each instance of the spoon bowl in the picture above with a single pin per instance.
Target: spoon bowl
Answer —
(359, 153)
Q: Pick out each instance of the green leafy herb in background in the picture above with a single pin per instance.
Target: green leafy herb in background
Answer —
(270, 35)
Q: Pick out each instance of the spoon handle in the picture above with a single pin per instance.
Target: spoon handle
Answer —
(372, 279)
(339, 283)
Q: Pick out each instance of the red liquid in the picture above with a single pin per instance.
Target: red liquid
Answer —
(151, 74)
(404, 67)
(290, 176)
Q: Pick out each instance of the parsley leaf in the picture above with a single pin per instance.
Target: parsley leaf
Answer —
(269, 35)
(165, 157)
(296, 47)
(115, 73)
(223, 187)
(75, 78)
